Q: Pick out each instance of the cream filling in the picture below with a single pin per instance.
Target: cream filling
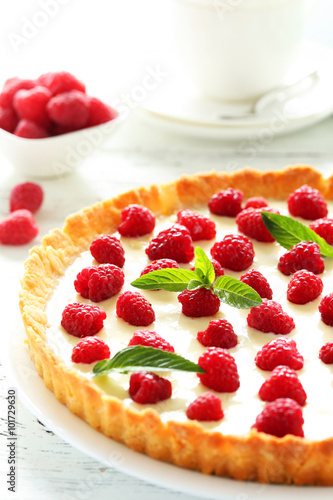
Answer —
(242, 407)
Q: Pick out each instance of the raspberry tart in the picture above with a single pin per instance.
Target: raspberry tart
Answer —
(258, 404)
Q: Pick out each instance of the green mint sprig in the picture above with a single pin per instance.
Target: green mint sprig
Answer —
(229, 290)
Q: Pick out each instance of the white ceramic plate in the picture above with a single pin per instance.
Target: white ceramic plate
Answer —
(43, 404)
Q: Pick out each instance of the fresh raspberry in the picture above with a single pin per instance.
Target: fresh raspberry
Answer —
(279, 352)
(258, 282)
(136, 220)
(304, 255)
(149, 388)
(150, 339)
(69, 109)
(221, 370)
(89, 350)
(282, 416)
(31, 105)
(10, 88)
(250, 223)
(27, 195)
(160, 264)
(8, 119)
(326, 309)
(206, 407)
(60, 82)
(308, 203)
(135, 309)
(283, 382)
(256, 202)
(200, 227)
(326, 353)
(199, 303)
(304, 287)
(234, 252)
(323, 227)
(99, 283)
(99, 112)
(18, 228)
(174, 243)
(107, 249)
(269, 317)
(227, 202)
(219, 333)
(82, 320)
(30, 130)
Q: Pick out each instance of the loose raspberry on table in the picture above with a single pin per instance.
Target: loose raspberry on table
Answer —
(326, 309)
(69, 109)
(200, 227)
(258, 282)
(234, 252)
(227, 202)
(279, 352)
(149, 388)
(282, 416)
(326, 353)
(150, 339)
(31, 105)
(11, 86)
(107, 249)
(60, 82)
(283, 382)
(99, 112)
(250, 223)
(256, 202)
(205, 408)
(323, 227)
(28, 195)
(8, 119)
(30, 130)
(136, 220)
(18, 228)
(135, 309)
(82, 320)
(219, 333)
(304, 255)
(270, 317)
(99, 283)
(199, 303)
(173, 243)
(308, 203)
(221, 370)
(304, 287)
(89, 350)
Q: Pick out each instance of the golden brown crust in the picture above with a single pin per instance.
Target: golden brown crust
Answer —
(256, 456)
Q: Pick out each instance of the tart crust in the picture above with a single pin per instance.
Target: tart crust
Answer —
(255, 456)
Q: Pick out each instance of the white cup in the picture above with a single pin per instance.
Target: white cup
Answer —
(236, 50)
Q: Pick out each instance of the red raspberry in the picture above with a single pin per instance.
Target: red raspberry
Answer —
(304, 255)
(258, 282)
(304, 287)
(283, 382)
(99, 283)
(200, 227)
(250, 223)
(11, 87)
(219, 333)
(326, 353)
(135, 309)
(206, 407)
(149, 388)
(234, 252)
(323, 227)
(221, 370)
(308, 203)
(174, 243)
(99, 112)
(227, 202)
(69, 109)
(60, 82)
(160, 264)
(82, 320)
(199, 303)
(150, 339)
(18, 228)
(89, 350)
(136, 220)
(107, 249)
(30, 130)
(282, 416)
(8, 119)
(256, 202)
(279, 352)
(326, 309)
(31, 105)
(27, 195)
(269, 317)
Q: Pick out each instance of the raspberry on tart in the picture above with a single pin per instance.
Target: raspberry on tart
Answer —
(256, 202)
(282, 416)
(160, 264)
(283, 382)
(219, 333)
(270, 317)
(304, 287)
(326, 353)
(199, 303)
(135, 309)
(150, 339)
(90, 349)
(258, 282)
(250, 223)
(221, 370)
(107, 249)
(326, 309)
(227, 202)
(304, 255)
(206, 408)
(149, 388)
(174, 243)
(323, 227)
(308, 203)
(277, 352)
(99, 283)
(234, 252)
(200, 227)
(136, 220)
(82, 320)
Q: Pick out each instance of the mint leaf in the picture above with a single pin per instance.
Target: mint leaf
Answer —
(171, 280)
(203, 267)
(195, 285)
(288, 232)
(235, 293)
(138, 358)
